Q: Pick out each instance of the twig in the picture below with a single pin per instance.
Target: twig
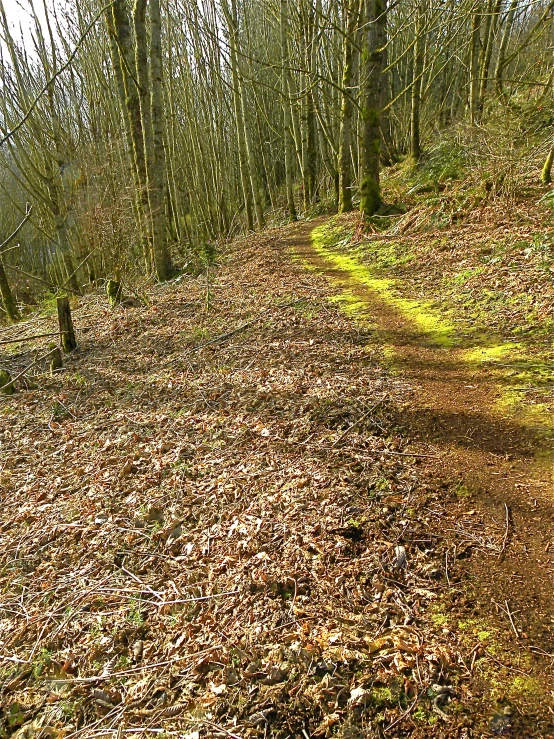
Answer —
(12, 236)
(217, 728)
(506, 667)
(507, 529)
(406, 713)
(144, 585)
(403, 454)
(509, 614)
(39, 279)
(196, 600)
(358, 422)
(65, 66)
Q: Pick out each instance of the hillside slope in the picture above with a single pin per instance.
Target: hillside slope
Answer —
(217, 521)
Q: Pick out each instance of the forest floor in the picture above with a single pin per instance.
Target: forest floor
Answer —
(283, 502)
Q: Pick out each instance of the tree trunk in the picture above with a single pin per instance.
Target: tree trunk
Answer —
(499, 71)
(239, 120)
(491, 25)
(371, 68)
(309, 133)
(119, 32)
(7, 296)
(419, 54)
(350, 54)
(56, 360)
(287, 117)
(140, 67)
(474, 81)
(388, 151)
(67, 332)
(162, 257)
(249, 147)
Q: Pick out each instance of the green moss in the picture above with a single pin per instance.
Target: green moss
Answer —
(332, 242)
(538, 414)
(428, 322)
(423, 716)
(439, 619)
(385, 255)
(525, 685)
(382, 696)
(492, 353)
(461, 491)
(350, 304)
(438, 615)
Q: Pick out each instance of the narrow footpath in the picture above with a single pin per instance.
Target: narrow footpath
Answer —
(452, 416)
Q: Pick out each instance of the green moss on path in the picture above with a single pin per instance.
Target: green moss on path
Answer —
(428, 322)
(510, 362)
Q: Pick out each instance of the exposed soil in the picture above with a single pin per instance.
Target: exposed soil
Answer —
(214, 523)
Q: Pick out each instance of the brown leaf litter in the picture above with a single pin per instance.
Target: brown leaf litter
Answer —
(231, 540)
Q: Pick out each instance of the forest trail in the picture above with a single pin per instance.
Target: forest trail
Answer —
(453, 415)
(232, 515)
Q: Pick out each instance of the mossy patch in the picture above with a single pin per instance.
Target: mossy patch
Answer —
(492, 353)
(438, 331)
(366, 266)
(351, 305)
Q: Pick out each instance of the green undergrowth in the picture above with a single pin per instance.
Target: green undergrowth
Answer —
(503, 675)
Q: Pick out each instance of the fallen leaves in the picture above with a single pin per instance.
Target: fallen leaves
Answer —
(187, 550)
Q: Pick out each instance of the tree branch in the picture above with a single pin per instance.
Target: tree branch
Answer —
(68, 63)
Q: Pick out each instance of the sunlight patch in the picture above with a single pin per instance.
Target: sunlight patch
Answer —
(440, 331)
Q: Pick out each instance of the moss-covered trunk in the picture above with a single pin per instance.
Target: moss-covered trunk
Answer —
(350, 63)
(546, 174)
(7, 296)
(374, 38)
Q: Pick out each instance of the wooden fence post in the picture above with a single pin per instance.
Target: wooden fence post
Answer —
(67, 332)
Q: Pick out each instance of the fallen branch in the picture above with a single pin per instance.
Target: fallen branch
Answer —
(244, 326)
(24, 372)
(121, 673)
(28, 338)
(224, 337)
(507, 529)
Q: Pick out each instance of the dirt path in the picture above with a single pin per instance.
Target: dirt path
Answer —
(490, 457)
